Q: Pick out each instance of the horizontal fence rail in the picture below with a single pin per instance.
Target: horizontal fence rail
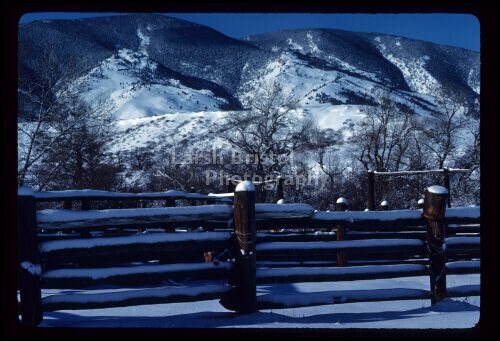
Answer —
(431, 171)
(69, 219)
(135, 297)
(133, 275)
(169, 248)
(105, 195)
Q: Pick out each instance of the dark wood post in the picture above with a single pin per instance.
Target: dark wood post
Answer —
(371, 190)
(142, 204)
(85, 207)
(229, 185)
(85, 204)
(29, 259)
(169, 202)
(68, 204)
(384, 205)
(341, 205)
(280, 191)
(446, 172)
(245, 294)
(434, 213)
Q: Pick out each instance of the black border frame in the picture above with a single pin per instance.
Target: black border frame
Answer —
(486, 14)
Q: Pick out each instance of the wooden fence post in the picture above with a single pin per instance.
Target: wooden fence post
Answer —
(434, 213)
(29, 258)
(68, 204)
(85, 204)
(371, 190)
(169, 202)
(243, 299)
(446, 172)
(341, 205)
(142, 204)
(280, 189)
(85, 207)
(229, 185)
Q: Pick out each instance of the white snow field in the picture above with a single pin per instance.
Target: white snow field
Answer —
(460, 312)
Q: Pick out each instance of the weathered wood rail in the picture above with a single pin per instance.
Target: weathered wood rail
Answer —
(446, 172)
(241, 246)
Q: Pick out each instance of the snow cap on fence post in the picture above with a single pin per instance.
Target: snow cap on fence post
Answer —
(384, 205)
(245, 186)
(420, 203)
(341, 204)
(435, 198)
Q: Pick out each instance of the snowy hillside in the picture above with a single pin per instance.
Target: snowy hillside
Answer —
(136, 87)
(390, 61)
(328, 84)
(181, 78)
(151, 64)
(193, 128)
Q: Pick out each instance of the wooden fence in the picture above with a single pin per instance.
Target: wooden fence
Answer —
(446, 172)
(241, 246)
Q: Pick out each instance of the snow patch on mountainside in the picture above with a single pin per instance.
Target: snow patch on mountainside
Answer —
(473, 81)
(294, 46)
(143, 47)
(175, 129)
(315, 87)
(415, 74)
(130, 82)
(312, 45)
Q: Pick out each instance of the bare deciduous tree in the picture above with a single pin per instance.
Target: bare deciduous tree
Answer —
(52, 117)
(385, 135)
(442, 129)
(268, 131)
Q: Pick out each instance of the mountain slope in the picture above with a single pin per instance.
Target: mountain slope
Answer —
(185, 47)
(391, 61)
(148, 65)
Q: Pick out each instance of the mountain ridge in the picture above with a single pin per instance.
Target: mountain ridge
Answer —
(339, 66)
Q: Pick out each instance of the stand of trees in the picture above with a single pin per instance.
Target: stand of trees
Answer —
(63, 144)
(61, 139)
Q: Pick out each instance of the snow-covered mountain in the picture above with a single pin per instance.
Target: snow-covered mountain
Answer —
(153, 66)
(137, 86)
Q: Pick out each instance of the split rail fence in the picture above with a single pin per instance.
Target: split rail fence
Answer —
(224, 249)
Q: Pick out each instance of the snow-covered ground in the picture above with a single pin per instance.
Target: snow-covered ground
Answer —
(460, 312)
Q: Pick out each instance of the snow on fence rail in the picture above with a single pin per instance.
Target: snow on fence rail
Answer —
(430, 171)
(135, 297)
(169, 247)
(394, 218)
(69, 219)
(91, 194)
(133, 275)
(150, 258)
